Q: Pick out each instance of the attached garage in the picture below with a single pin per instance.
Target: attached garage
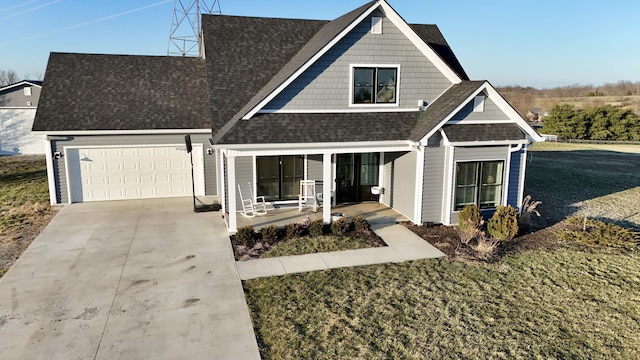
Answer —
(133, 172)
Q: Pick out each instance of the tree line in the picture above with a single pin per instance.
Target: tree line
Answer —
(621, 88)
(592, 123)
(8, 77)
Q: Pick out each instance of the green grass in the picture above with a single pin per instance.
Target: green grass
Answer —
(542, 304)
(311, 244)
(24, 205)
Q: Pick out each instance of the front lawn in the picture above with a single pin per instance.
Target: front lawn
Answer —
(24, 205)
(539, 304)
(542, 300)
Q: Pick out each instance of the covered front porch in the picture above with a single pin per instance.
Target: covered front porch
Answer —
(376, 176)
(374, 212)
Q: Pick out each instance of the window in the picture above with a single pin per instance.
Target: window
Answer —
(478, 183)
(27, 91)
(373, 85)
(279, 177)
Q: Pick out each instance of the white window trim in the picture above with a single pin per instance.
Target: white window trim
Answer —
(505, 181)
(352, 67)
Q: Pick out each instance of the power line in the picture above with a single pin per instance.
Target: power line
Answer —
(90, 22)
(30, 10)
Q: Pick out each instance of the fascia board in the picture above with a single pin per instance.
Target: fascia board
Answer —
(451, 114)
(511, 112)
(123, 132)
(310, 62)
(401, 24)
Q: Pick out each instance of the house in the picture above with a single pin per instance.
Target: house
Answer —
(361, 101)
(18, 104)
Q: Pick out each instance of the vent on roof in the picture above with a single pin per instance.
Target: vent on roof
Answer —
(376, 25)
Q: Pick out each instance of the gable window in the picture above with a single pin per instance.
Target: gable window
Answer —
(27, 91)
(478, 183)
(375, 85)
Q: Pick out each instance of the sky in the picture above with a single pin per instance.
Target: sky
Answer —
(542, 43)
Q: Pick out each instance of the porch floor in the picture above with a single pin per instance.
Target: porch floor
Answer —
(373, 212)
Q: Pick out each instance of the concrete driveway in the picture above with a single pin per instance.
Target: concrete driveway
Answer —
(147, 279)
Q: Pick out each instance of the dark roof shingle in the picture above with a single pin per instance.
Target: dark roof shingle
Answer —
(442, 107)
(318, 128)
(123, 92)
(483, 132)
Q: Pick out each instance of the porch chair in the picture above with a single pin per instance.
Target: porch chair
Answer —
(251, 206)
(307, 196)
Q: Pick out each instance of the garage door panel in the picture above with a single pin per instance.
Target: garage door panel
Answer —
(130, 173)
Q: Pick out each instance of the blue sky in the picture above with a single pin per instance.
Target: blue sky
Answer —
(542, 43)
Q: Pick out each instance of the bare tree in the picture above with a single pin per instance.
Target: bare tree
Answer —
(8, 77)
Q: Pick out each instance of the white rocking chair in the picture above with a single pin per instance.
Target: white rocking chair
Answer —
(252, 206)
(307, 197)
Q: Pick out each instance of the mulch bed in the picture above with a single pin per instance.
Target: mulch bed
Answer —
(242, 252)
(447, 240)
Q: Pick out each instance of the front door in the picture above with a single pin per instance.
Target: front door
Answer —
(355, 175)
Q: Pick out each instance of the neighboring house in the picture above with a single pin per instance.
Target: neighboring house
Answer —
(18, 104)
(364, 100)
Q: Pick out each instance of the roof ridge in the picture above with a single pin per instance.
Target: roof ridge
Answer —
(320, 40)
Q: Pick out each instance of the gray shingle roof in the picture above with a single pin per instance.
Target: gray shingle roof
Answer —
(243, 50)
(483, 132)
(122, 92)
(311, 128)
(244, 54)
(442, 107)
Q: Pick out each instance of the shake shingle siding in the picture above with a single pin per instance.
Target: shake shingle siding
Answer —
(326, 85)
(491, 112)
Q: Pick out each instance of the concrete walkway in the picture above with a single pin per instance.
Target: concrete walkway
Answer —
(403, 244)
(127, 280)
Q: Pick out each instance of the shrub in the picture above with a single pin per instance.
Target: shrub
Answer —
(246, 236)
(360, 224)
(503, 225)
(528, 211)
(600, 234)
(470, 219)
(316, 227)
(269, 234)
(292, 231)
(486, 248)
(340, 226)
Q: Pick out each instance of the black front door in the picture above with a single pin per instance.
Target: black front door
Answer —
(355, 175)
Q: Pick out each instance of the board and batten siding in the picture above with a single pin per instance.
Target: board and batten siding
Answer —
(491, 112)
(433, 184)
(314, 167)
(400, 179)
(326, 84)
(244, 176)
(478, 153)
(518, 161)
(59, 144)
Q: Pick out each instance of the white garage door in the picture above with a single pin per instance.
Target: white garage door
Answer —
(117, 173)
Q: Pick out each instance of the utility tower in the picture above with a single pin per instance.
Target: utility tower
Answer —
(185, 38)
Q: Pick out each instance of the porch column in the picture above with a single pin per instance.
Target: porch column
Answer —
(231, 191)
(327, 181)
